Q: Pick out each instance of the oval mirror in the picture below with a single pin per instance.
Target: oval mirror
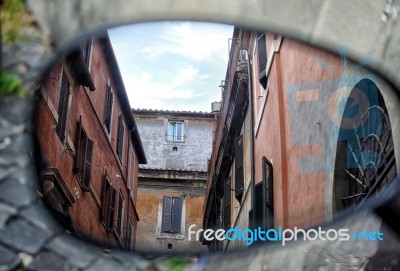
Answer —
(188, 137)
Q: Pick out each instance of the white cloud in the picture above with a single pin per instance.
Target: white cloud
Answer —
(198, 42)
(145, 86)
(172, 65)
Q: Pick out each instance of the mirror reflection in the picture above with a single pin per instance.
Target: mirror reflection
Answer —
(151, 134)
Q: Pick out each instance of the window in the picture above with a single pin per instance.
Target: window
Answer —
(262, 59)
(108, 204)
(239, 174)
(108, 109)
(175, 131)
(263, 202)
(227, 204)
(83, 161)
(120, 213)
(172, 215)
(120, 138)
(62, 109)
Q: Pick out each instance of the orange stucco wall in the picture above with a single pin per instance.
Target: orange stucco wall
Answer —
(298, 195)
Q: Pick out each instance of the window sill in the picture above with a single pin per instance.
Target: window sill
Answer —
(164, 235)
(175, 142)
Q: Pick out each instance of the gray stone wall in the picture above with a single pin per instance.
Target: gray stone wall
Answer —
(191, 154)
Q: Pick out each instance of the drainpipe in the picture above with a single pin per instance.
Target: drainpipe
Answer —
(251, 126)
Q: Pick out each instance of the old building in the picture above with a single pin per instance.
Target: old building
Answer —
(172, 184)
(302, 134)
(90, 145)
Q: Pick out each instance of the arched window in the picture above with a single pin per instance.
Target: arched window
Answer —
(365, 161)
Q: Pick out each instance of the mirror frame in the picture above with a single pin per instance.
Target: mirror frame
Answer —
(296, 19)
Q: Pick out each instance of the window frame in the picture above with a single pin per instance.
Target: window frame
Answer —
(175, 132)
(171, 222)
(84, 157)
(108, 204)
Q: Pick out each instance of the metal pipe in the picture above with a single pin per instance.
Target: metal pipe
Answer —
(251, 125)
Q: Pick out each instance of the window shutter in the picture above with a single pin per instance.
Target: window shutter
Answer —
(258, 205)
(167, 218)
(239, 184)
(62, 109)
(120, 138)
(120, 214)
(83, 160)
(108, 109)
(105, 200)
(262, 59)
(176, 215)
(269, 192)
(227, 204)
(251, 222)
(79, 142)
(111, 213)
(87, 166)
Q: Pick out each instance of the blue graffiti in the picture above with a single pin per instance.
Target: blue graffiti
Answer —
(347, 107)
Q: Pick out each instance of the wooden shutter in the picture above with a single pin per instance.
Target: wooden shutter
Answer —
(227, 204)
(105, 200)
(176, 215)
(262, 59)
(120, 214)
(78, 144)
(87, 165)
(258, 205)
(172, 215)
(120, 138)
(111, 209)
(62, 109)
(263, 202)
(251, 222)
(83, 160)
(239, 174)
(269, 192)
(108, 109)
(167, 215)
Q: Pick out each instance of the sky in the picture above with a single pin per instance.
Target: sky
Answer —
(172, 65)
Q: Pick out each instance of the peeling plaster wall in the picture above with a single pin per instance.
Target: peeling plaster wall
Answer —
(174, 169)
(191, 154)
